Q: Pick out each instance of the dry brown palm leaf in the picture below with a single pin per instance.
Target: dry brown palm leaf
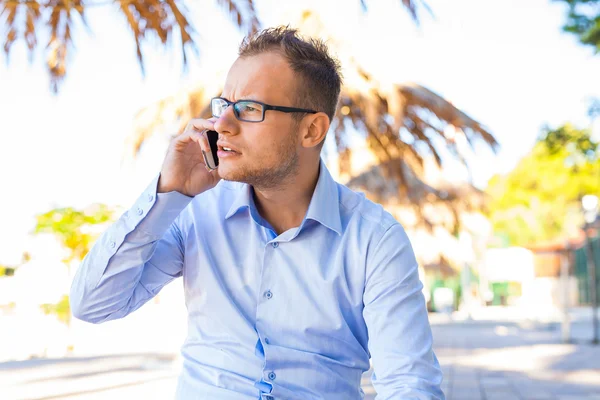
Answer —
(9, 14)
(23, 19)
(421, 98)
(32, 14)
(410, 5)
(61, 23)
(381, 184)
(403, 120)
(409, 189)
(157, 17)
(248, 21)
(178, 109)
(145, 18)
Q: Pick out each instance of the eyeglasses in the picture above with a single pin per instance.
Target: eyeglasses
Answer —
(249, 110)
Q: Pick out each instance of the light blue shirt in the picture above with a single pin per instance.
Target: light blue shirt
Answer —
(290, 316)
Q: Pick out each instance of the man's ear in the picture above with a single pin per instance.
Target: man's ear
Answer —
(316, 127)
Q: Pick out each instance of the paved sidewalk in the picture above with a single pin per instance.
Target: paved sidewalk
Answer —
(483, 360)
(516, 360)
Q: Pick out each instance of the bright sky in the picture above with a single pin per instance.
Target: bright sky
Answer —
(504, 62)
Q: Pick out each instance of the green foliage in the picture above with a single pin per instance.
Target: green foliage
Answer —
(576, 142)
(71, 227)
(540, 199)
(61, 309)
(583, 20)
(6, 271)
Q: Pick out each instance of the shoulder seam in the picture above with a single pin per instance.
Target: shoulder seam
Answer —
(361, 214)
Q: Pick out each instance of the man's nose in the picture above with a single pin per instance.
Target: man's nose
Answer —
(227, 123)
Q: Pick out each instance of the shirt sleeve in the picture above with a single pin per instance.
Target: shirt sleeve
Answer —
(132, 260)
(400, 338)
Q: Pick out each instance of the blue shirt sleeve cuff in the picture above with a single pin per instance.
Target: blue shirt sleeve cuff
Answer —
(155, 212)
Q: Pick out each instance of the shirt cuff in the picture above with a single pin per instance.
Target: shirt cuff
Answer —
(155, 212)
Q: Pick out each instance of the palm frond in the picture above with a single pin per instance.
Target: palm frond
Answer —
(420, 97)
(146, 18)
(380, 184)
(178, 109)
(158, 18)
(408, 189)
(410, 6)
(61, 23)
(9, 14)
(421, 114)
(33, 14)
(247, 20)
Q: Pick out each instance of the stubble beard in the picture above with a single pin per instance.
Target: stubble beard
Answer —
(271, 177)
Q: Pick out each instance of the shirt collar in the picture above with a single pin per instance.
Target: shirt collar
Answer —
(242, 199)
(324, 205)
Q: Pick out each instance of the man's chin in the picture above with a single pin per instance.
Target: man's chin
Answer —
(232, 174)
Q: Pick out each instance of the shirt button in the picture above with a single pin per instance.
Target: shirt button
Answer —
(150, 198)
(272, 376)
(268, 295)
(275, 244)
(140, 211)
(267, 341)
(112, 244)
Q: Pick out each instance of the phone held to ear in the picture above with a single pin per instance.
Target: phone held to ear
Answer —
(211, 159)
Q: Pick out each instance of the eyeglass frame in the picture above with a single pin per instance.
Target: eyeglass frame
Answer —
(265, 108)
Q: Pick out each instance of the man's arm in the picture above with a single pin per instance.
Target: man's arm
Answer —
(129, 264)
(400, 339)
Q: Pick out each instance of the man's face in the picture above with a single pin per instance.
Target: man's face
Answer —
(266, 153)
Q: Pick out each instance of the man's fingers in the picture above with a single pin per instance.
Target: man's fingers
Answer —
(200, 125)
(195, 131)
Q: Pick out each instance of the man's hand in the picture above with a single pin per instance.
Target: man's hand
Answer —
(183, 169)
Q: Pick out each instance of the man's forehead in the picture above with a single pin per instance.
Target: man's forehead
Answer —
(264, 77)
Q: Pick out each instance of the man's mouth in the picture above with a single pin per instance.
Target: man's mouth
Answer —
(227, 149)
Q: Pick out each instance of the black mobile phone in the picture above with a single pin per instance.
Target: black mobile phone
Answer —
(211, 159)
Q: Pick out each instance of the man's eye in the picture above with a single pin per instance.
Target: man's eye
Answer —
(250, 108)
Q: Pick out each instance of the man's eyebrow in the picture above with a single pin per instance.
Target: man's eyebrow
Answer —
(246, 97)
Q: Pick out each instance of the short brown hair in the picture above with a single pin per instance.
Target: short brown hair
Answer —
(319, 72)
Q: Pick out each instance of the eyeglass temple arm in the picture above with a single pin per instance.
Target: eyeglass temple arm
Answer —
(289, 109)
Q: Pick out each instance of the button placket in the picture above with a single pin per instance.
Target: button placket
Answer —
(263, 315)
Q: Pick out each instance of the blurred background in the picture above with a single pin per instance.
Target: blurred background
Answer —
(475, 123)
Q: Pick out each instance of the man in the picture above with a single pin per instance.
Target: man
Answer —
(292, 281)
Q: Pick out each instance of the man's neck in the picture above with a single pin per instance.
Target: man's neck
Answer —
(284, 207)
